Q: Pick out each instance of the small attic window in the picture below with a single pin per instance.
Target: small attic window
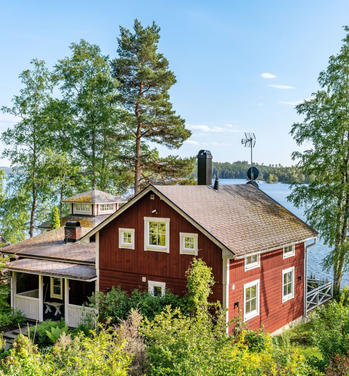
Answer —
(80, 208)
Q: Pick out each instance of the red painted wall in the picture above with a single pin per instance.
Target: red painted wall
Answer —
(273, 313)
(125, 267)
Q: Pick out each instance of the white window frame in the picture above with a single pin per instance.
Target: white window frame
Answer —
(152, 247)
(106, 211)
(52, 293)
(255, 313)
(152, 284)
(290, 296)
(82, 211)
(286, 255)
(121, 238)
(188, 251)
(252, 265)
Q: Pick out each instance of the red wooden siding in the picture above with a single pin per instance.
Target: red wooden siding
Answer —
(125, 267)
(273, 313)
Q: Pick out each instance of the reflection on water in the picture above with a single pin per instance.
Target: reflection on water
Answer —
(279, 192)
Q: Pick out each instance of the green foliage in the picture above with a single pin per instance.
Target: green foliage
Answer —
(55, 221)
(116, 305)
(101, 354)
(331, 330)
(325, 128)
(144, 81)
(48, 332)
(199, 285)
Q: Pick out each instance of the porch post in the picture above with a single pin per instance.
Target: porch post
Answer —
(13, 290)
(66, 300)
(41, 299)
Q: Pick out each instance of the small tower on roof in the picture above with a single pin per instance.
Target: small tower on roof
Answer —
(89, 208)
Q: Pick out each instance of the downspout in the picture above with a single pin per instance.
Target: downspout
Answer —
(305, 278)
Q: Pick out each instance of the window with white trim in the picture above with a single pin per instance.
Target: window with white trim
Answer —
(251, 300)
(157, 234)
(156, 288)
(56, 288)
(106, 208)
(127, 238)
(252, 261)
(80, 208)
(289, 251)
(288, 284)
(188, 243)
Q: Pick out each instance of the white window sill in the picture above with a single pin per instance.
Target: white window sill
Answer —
(287, 298)
(288, 255)
(129, 246)
(251, 315)
(156, 249)
(252, 266)
(191, 252)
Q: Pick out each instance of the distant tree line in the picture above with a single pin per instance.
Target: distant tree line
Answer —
(269, 173)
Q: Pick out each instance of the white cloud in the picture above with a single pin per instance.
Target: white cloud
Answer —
(207, 129)
(191, 142)
(295, 103)
(268, 75)
(282, 87)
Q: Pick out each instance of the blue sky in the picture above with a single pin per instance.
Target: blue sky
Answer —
(217, 49)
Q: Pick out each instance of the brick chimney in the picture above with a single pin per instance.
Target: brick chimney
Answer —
(204, 167)
(72, 231)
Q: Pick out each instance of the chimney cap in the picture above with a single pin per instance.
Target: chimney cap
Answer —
(72, 224)
(204, 153)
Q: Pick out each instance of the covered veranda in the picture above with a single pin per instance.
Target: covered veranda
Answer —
(43, 289)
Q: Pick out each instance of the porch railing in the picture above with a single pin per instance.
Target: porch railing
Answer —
(318, 292)
(76, 314)
(28, 304)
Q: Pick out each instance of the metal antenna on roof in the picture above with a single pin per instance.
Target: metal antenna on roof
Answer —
(249, 141)
(252, 172)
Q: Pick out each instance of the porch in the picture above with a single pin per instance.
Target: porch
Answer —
(51, 295)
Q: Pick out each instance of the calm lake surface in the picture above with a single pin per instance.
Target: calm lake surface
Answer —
(316, 253)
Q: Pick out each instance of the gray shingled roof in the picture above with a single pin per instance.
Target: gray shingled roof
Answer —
(94, 196)
(53, 268)
(242, 217)
(51, 245)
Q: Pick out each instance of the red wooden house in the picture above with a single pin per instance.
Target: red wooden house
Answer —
(256, 247)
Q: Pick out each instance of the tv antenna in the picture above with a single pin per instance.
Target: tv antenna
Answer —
(249, 141)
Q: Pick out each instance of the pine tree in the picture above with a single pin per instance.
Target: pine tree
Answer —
(55, 221)
(144, 81)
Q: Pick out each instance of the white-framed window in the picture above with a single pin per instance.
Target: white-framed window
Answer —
(56, 288)
(106, 208)
(251, 300)
(289, 251)
(252, 261)
(156, 288)
(157, 234)
(127, 238)
(188, 243)
(80, 208)
(288, 284)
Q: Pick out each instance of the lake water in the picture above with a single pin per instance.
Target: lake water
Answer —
(316, 253)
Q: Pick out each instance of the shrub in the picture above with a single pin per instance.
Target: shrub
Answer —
(47, 332)
(115, 306)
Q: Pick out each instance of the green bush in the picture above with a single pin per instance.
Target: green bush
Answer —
(116, 305)
(48, 332)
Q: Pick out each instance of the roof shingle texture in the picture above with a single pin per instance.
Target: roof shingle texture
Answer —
(85, 220)
(53, 268)
(242, 217)
(51, 245)
(94, 196)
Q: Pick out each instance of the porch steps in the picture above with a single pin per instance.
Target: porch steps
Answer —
(11, 335)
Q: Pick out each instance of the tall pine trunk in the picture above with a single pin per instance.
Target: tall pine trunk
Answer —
(137, 185)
